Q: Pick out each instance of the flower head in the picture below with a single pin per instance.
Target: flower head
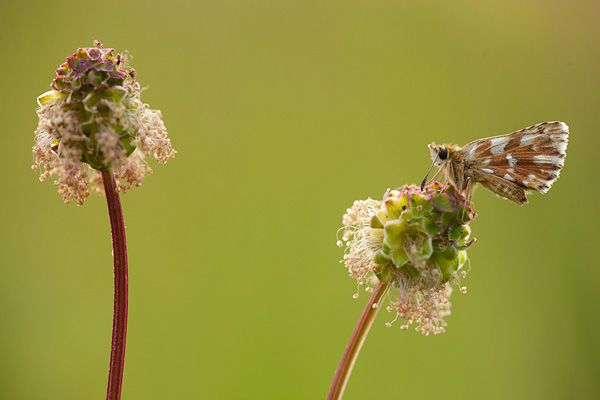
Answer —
(414, 241)
(93, 120)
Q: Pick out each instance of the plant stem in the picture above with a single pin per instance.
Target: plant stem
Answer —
(356, 341)
(119, 332)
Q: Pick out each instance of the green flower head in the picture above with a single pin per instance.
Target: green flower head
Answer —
(416, 242)
(93, 120)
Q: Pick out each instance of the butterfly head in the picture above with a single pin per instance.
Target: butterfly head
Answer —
(440, 154)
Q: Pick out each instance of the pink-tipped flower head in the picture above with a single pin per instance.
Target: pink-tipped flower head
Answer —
(93, 120)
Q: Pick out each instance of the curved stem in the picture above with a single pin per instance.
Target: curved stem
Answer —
(119, 332)
(356, 341)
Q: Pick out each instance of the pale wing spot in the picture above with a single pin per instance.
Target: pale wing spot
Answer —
(560, 145)
(511, 170)
(473, 150)
(537, 183)
(561, 126)
(499, 148)
(527, 139)
(544, 189)
(487, 170)
(498, 140)
(552, 174)
(511, 160)
(559, 136)
(486, 161)
(509, 178)
(547, 159)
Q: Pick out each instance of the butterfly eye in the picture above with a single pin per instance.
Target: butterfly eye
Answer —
(443, 154)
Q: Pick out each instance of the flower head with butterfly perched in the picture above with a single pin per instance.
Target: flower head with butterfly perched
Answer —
(509, 165)
(415, 240)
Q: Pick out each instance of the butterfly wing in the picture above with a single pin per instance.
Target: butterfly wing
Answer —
(530, 158)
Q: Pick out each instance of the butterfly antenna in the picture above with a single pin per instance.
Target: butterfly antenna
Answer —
(425, 180)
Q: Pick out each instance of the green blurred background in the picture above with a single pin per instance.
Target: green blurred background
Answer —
(283, 113)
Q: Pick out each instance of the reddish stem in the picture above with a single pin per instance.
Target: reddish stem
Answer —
(356, 341)
(119, 332)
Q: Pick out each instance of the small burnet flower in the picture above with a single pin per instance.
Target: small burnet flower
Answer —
(416, 242)
(93, 120)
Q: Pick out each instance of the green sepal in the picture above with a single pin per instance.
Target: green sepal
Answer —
(417, 233)
(464, 245)
(466, 232)
(444, 202)
(463, 215)
(381, 258)
(399, 257)
(456, 232)
(419, 205)
(378, 220)
(432, 226)
(426, 250)
(385, 247)
(407, 217)
(395, 206)
(394, 232)
(448, 267)
(47, 97)
(449, 219)
(449, 253)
